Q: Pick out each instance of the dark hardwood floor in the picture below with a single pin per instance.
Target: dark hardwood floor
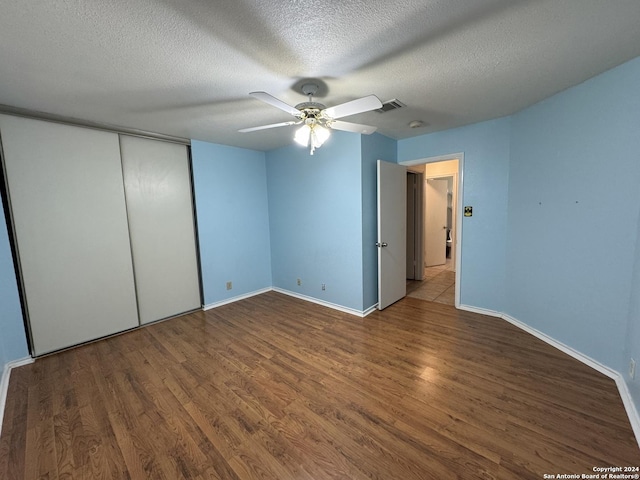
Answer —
(272, 387)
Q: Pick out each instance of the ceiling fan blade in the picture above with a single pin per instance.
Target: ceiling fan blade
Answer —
(271, 100)
(353, 127)
(264, 127)
(364, 104)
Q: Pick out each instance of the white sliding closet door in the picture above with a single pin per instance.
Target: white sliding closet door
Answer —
(68, 208)
(160, 208)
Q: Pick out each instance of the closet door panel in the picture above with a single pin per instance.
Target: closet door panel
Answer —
(160, 209)
(68, 208)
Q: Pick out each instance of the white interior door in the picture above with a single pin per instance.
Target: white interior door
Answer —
(435, 238)
(70, 221)
(158, 190)
(392, 233)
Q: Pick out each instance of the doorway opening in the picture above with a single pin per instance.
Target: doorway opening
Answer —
(434, 228)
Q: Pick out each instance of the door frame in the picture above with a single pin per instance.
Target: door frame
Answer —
(418, 226)
(459, 208)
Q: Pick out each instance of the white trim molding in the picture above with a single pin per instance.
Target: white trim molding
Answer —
(623, 389)
(335, 306)
(4, 382)
(630, 407)
(369, 310)
(481, 311)
(306, 298)
(437, 158)
(235, 299)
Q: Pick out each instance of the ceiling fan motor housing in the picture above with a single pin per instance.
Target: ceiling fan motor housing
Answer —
(310, 106)
(310, 109)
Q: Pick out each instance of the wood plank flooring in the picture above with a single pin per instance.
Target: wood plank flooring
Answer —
(272, 387)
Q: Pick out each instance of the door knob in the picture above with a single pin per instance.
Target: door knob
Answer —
(383, 244)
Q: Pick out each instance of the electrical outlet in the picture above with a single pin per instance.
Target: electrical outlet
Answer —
(632, 369)
(324, 287)
(229, 285)
(299, 282)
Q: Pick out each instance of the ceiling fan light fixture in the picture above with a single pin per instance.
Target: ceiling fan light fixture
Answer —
(311, 135)
(302, 135)
(319, 135)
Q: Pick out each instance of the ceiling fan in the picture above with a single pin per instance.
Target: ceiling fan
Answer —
(316, 119)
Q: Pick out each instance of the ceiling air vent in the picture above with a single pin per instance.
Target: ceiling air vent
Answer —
(392, 104)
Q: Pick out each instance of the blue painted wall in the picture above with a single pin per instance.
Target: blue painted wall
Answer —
(486, 180)
(573, 210)
(632, 347)
(315, 212)
(13, 342)
(374, 147)
(233, 220)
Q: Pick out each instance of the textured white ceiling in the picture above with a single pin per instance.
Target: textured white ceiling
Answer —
(185, 67)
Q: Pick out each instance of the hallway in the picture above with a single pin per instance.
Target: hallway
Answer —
(439, 285)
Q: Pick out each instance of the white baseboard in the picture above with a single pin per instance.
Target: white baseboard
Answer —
(335, 306)
(369, 310)
(625, 394)
(630, 407)
(235, 299)
(481, 311)
(4, 383)
(562, 347)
